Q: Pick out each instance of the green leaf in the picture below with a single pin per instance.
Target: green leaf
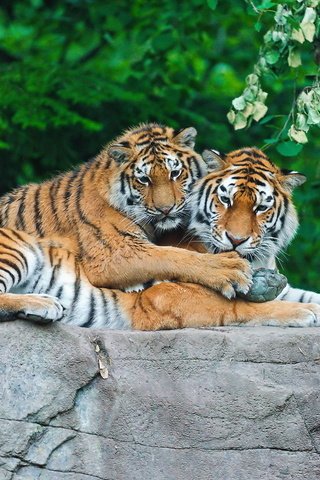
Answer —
(266, 119)
(272, 56)
(4, 145)
(164, 41)
(289, 149)
(270, 141)
(257, 26)
(265, 4)
(212, 4)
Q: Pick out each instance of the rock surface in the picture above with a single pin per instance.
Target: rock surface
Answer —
(222, 404)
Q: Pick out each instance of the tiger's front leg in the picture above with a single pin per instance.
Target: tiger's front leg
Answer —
(174, 305)
(140, 262)
(21, 261)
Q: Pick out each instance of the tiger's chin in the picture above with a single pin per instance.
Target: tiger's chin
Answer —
(167, 223)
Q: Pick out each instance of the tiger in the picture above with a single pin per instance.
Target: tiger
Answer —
(41, 280)
(111, 210)
(245, 205)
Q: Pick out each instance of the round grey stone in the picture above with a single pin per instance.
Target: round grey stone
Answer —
(267, 285)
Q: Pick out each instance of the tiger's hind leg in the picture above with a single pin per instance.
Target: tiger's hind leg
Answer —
(181, 305)
(21, 261)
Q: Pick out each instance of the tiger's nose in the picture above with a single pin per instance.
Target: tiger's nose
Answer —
(165, 209)
(236, 241)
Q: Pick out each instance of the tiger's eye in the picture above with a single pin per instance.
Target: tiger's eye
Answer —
(174, 174)
(261, 208)
(225, 200)
(144, 180)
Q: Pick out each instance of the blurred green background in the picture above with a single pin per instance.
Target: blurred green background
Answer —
(75, 73)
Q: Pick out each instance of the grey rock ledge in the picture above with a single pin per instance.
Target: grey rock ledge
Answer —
(221, 404)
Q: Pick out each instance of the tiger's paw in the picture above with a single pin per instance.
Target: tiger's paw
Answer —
(235, 276)
(266, 285)
(313, 317)
(304, 315)
(40, 308)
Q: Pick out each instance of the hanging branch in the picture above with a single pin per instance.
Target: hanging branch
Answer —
(295, 23)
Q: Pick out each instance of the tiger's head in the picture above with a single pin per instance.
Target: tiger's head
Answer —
(245, 205)
(156, 167)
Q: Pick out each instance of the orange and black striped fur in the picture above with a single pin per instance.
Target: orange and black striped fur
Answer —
(38, 276)
(245, 205)
(54, 276)
(112, 209)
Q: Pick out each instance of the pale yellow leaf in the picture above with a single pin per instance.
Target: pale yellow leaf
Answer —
(260, 109)
(297, 135)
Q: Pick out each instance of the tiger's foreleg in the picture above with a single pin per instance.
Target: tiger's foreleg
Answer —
(21, 260)
(178, 305)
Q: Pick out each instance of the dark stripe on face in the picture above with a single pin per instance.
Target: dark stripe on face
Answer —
(250, 153)
(258, 182)
(201, 219)
(122, 183)
(4, 285)
(203, 187)
(207, 199)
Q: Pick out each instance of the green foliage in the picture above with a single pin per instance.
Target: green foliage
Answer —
(75, 73)
(295, 22)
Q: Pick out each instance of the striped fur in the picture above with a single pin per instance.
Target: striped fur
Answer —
(60, 291)
(245, 205)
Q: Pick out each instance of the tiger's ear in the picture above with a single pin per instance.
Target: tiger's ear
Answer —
(186, 137)
(291, 179)
(214, 160)
(119, 152)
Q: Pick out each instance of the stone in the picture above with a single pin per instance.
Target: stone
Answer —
(266, 285)
(227, 403)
